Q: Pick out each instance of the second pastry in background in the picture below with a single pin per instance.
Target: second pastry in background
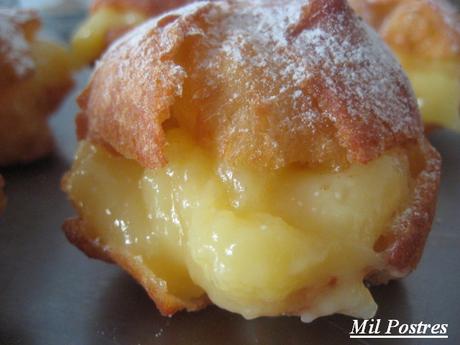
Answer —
(35, 76)
(425, 37)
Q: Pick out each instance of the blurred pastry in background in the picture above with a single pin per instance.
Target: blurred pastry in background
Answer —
(265, 156)
(109, 19)
(425, 36)
(35, 75)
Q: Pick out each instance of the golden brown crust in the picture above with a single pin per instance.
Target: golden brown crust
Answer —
(313, 112)
(424, 28)
(24, 132)
(402, 246)
(412, 226)
(2, 195)
(166, 303)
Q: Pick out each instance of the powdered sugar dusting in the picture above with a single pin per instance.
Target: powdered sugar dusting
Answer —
(14, 48)
(346, 55)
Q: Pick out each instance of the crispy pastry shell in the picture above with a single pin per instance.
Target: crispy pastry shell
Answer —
(350, 122)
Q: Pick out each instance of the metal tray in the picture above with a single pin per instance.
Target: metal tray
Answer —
(50, 293)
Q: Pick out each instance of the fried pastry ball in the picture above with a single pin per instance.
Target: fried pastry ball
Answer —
(267, 157)
(34, 77)
(109, 19)
(425, 36)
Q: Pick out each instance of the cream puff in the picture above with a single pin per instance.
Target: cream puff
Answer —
(425, 36)
(35, 76)
(267, 157)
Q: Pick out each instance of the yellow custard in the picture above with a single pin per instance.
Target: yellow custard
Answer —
(90, 40)
(436, 83)
(294, 240)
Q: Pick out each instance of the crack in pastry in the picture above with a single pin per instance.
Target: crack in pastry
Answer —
(267, 157)
(35, 77)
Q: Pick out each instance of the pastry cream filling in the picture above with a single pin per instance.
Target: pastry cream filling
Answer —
(294, 241)
(90, 40)
(437, 86)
